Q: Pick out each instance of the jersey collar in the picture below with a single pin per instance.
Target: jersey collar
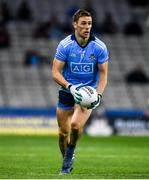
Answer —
(91, 38)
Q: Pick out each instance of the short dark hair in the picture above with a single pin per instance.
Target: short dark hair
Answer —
(80, 13)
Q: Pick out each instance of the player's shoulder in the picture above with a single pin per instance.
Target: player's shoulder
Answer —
(99, 43)
(66, 41)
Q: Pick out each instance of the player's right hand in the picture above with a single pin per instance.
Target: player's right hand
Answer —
(76, 94)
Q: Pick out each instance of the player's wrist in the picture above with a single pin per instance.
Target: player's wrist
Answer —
(68, 86)
(100, 95)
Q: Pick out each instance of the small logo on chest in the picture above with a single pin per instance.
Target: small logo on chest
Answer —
(92, 57)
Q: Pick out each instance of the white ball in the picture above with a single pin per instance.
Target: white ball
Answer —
(89, 96)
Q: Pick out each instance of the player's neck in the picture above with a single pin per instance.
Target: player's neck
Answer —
(80, 40)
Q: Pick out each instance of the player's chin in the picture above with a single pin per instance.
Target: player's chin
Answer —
(86, 34)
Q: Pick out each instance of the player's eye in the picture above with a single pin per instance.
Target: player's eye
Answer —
(86, 23)
(83, 23)
(89, 23)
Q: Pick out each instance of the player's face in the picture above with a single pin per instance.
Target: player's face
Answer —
(83, 26)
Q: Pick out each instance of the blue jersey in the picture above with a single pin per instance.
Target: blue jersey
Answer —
(81, 62)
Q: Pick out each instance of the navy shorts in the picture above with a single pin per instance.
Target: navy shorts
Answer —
(65, 100)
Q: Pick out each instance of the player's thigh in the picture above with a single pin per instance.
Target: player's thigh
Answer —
(80, 116)
(64, 119)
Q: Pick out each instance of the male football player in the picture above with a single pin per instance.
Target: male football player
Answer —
(81, 59)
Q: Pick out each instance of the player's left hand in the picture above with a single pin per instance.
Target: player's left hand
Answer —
(96, 103)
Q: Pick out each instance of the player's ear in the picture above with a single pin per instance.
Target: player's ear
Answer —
(74, 25)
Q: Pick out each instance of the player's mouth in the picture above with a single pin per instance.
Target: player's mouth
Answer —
(86, 33)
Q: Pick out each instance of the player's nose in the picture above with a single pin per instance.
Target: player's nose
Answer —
(88, 26)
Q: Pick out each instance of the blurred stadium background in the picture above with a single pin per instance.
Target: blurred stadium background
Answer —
(29, 33)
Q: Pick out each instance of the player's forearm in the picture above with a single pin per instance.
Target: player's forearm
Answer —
(101, 87)
(57, 73)
(103, 78)
(58, 77)
(102, 82)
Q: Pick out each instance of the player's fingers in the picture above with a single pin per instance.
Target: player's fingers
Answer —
(78, 94)
(77, 101)
(77, 98)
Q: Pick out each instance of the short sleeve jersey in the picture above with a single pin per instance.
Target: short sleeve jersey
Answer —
(81, 62)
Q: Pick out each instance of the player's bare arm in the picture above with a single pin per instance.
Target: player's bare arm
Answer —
(56, 72)
(58, 77)
(103, 69)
